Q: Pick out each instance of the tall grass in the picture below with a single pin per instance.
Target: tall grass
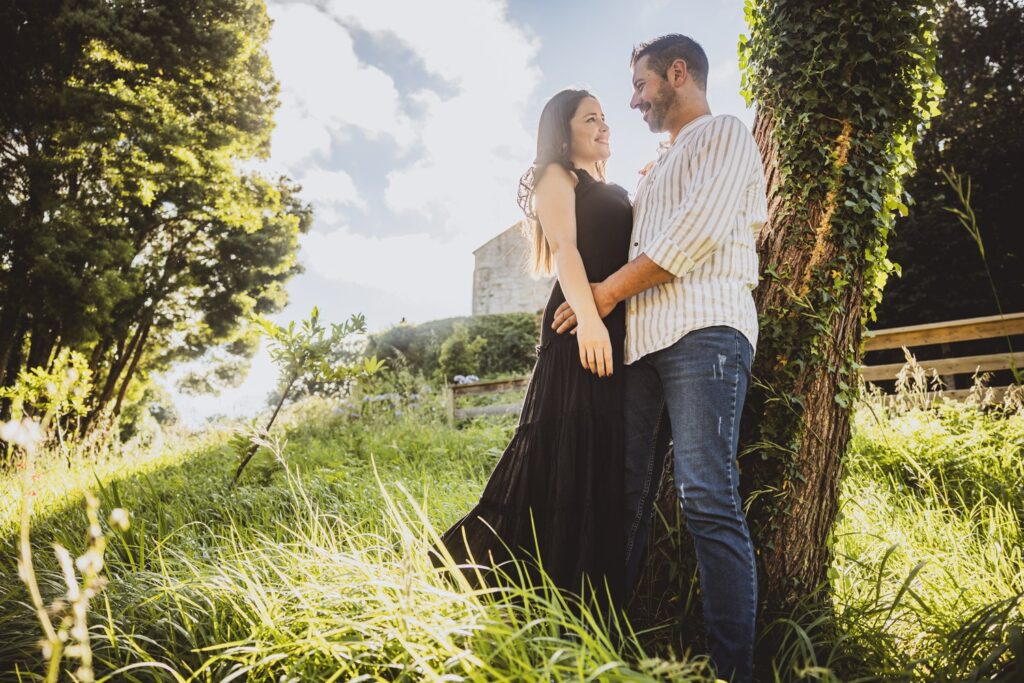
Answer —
(927, 577)
(318, 567)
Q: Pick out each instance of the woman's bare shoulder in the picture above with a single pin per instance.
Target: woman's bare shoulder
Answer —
(555, 178)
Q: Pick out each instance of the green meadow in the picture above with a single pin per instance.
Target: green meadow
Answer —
(317, 565)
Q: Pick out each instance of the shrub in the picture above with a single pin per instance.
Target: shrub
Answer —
(509, 345)
(511, 342)
(416, 347)
(460, 354)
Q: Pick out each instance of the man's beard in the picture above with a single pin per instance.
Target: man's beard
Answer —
(662, 103)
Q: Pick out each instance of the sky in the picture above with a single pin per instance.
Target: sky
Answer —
(408, 125)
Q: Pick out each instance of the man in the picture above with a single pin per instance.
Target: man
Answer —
(690, 332)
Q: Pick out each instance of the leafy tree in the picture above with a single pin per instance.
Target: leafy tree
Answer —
(128, 231)
(979, 135)
(417, 347)
(511, 343)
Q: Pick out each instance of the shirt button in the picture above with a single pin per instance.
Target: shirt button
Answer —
(636, 244)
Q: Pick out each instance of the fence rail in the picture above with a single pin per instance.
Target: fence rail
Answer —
(482, 388)
(969, 329)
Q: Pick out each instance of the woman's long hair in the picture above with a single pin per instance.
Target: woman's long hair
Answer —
(554, 146)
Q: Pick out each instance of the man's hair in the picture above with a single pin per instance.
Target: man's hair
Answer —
(661, 52)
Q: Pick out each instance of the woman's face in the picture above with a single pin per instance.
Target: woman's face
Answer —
(589, 133)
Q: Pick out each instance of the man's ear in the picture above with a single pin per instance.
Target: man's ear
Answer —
(677, 73)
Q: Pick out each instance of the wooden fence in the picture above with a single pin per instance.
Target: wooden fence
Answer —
(970, 329)
(479, 388)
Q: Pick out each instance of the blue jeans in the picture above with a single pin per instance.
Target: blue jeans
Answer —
(698, 384)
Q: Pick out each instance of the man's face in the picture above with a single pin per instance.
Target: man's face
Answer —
(652, 95)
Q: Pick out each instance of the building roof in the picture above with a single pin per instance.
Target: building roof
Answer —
(515, 226)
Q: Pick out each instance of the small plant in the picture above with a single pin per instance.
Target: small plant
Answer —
(961, 186)
(58, 391)
(914, 388)
(70, 638)
(307, 352)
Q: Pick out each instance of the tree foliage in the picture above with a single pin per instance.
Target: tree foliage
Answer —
(460, 354)
(979, 135)
(128, 230)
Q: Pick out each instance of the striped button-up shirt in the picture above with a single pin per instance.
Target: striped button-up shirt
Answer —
(696, 214)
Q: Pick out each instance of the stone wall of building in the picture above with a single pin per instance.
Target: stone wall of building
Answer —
(501, 278)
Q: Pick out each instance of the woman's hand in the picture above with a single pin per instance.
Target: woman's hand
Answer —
(565, 317)
(595, 347)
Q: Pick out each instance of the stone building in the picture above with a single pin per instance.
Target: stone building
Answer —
(502, 282)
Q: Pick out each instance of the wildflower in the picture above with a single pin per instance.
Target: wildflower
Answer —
(25, 433)
(119, 519)
(91, 562)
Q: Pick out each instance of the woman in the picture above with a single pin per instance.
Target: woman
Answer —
(555, 493)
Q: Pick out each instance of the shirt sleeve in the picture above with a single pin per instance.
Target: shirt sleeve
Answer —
(712, 200)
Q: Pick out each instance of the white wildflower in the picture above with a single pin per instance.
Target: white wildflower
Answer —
(118, 519)
(25, 433)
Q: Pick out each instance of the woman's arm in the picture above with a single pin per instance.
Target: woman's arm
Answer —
(555, 198)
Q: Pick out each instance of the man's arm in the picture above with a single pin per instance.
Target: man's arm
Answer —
(639, 274)
(696, 229)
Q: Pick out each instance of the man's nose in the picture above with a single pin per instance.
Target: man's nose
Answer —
(634, 101)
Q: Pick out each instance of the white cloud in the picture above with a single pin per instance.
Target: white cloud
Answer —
(468, 145)
(329, 189)
(420, 269)
(325, 90)
(475, 143)
(466, 42)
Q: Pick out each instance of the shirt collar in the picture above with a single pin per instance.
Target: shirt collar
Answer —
(666, 144)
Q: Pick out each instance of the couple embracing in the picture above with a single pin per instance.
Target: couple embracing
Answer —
(649, 333)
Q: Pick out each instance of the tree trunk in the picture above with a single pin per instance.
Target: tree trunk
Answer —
(140, 347)
(792, 538)
(98, 352)
(10, 321)
(41, 346)
(125, 351)
(15, 360)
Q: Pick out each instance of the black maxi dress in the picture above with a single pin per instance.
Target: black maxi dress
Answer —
(556, 493)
